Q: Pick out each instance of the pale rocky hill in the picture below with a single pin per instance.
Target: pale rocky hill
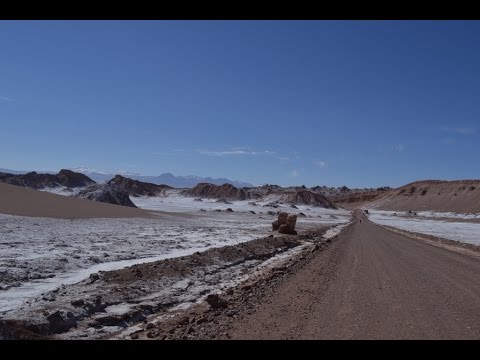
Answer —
(462, 196)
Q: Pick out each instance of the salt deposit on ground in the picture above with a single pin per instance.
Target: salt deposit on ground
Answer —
(457, 231)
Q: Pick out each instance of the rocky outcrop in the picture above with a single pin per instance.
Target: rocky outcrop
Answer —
(357, 195)
(107, 193)
(72, 179)
(307, 197)
(282, 219)
(225, 191)
(34, 180)
(285, 223)
(289, 226)
(291, 221)
(137, 188)
(31, 180)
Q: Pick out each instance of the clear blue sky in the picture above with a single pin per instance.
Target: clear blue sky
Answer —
(353, 103)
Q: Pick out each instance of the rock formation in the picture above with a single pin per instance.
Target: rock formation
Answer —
(285, 223)
(137, 188)
(34, 180)
(107, 193)
(307, 197)
(225, 192)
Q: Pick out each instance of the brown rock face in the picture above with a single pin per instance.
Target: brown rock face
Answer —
(73, 179)
(282, 218)
(285, 223)
(275, 225)
(286, 229)
(291, 220)
(358, 195)
(107, 193)
(225, 191)
(34, 180)
(137, 188)
(307, 197)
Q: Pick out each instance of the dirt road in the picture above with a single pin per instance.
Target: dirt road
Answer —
(372, 284)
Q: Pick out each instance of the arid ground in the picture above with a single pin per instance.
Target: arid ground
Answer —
(202, 268)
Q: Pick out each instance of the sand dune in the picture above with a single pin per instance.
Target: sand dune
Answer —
(461, 196)
(16, 200)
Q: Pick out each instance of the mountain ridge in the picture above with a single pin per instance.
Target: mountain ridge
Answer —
(188, 181)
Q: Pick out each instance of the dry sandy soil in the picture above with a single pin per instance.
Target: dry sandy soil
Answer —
(73, 278)
(117, 302)
(16, 200)
(370, 283)
(366, 283)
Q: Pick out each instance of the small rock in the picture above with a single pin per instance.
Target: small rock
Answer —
(216, 302)
(184, 320)
(229, 210)
(59, 322)
(223, 201)
(34, 276)
(149, 326)
(201, 320)
(134, 336)
(94, 277)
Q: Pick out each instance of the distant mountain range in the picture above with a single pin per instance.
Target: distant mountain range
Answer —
(14, 172)
(163, 179)
(169, 179)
